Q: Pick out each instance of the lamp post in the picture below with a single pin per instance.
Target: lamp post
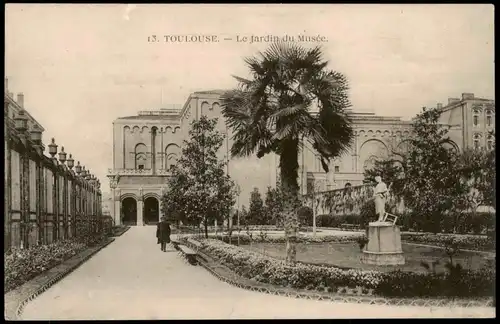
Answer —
(238, 191)
(53, 149)
(78, 168)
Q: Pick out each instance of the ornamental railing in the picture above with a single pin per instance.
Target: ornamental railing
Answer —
(46, 198)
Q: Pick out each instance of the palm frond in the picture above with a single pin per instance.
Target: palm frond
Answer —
(288, 111)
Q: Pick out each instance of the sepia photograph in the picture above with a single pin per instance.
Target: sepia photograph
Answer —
(249, 161)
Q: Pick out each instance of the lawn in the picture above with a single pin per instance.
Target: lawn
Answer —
(347, 255)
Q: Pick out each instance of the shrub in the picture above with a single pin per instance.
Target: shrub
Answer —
(22, 265)
(460, 223)
(332, 220)
(256, 238)
(470, 242)
(258, 267)
(305, 216)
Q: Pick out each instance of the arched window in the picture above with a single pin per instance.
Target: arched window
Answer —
(488, 118)
(475, 117)
(489, 142)
(477, 141)
(172, 153)
(369, 163)
(171, 160)
(140, 156)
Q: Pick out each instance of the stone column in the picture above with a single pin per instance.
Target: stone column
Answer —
(140, 209)
(117, 207)
(112, 206)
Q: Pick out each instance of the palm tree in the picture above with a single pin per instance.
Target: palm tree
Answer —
(271, 112)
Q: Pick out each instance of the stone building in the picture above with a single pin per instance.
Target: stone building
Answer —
(472, 119)
(146, 145)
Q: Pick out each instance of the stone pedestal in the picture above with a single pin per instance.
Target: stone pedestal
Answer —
(384, 245)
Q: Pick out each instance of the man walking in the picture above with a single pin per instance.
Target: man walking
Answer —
(163, 233)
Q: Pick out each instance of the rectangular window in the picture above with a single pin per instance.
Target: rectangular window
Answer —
(490, 145)
(337, 168)
(488, 120)
(476, 144)
(476, 120)
(140, 166)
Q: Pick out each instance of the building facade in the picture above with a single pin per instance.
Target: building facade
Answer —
(472, 120)
(45, 199)
(145, 146)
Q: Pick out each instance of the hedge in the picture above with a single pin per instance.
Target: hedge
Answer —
(468, 242)
(461, 223)
(257, 238)
(255, 266)
(22, 265)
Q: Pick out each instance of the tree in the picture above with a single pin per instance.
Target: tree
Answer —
(243, 215)
(199, 188)
(478, 167)
(271, 113)
(274, 205)
(432, 184)
(391, 171)
(256, 212)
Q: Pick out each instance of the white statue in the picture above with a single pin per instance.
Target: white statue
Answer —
(380, 196)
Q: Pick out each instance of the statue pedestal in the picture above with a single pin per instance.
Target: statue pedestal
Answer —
(384, 245)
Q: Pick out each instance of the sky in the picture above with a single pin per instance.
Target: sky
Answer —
(82, 66)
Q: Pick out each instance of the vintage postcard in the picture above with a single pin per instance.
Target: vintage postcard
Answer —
(249, 161)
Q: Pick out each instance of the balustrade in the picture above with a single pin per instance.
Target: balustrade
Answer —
(347, 200)
(142, 172)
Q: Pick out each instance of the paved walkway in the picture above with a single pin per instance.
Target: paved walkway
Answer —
(133, 279)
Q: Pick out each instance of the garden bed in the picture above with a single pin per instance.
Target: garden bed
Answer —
(16, 299)
(265, 269)
(347, 255)
(23, 265)
(119, 230)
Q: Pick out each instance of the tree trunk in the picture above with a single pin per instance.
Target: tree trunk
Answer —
(206, 229)
(288, 175)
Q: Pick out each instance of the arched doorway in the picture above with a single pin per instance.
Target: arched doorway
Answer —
(151, 211)
(129, 211)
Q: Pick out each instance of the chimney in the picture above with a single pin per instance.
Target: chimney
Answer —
(6, 85)
(452, 100)
(439, 105)
(467, 96)
(20, 99)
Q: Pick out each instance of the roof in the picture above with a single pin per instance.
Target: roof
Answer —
(14, 103)
(215, 91)
(151, 117)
